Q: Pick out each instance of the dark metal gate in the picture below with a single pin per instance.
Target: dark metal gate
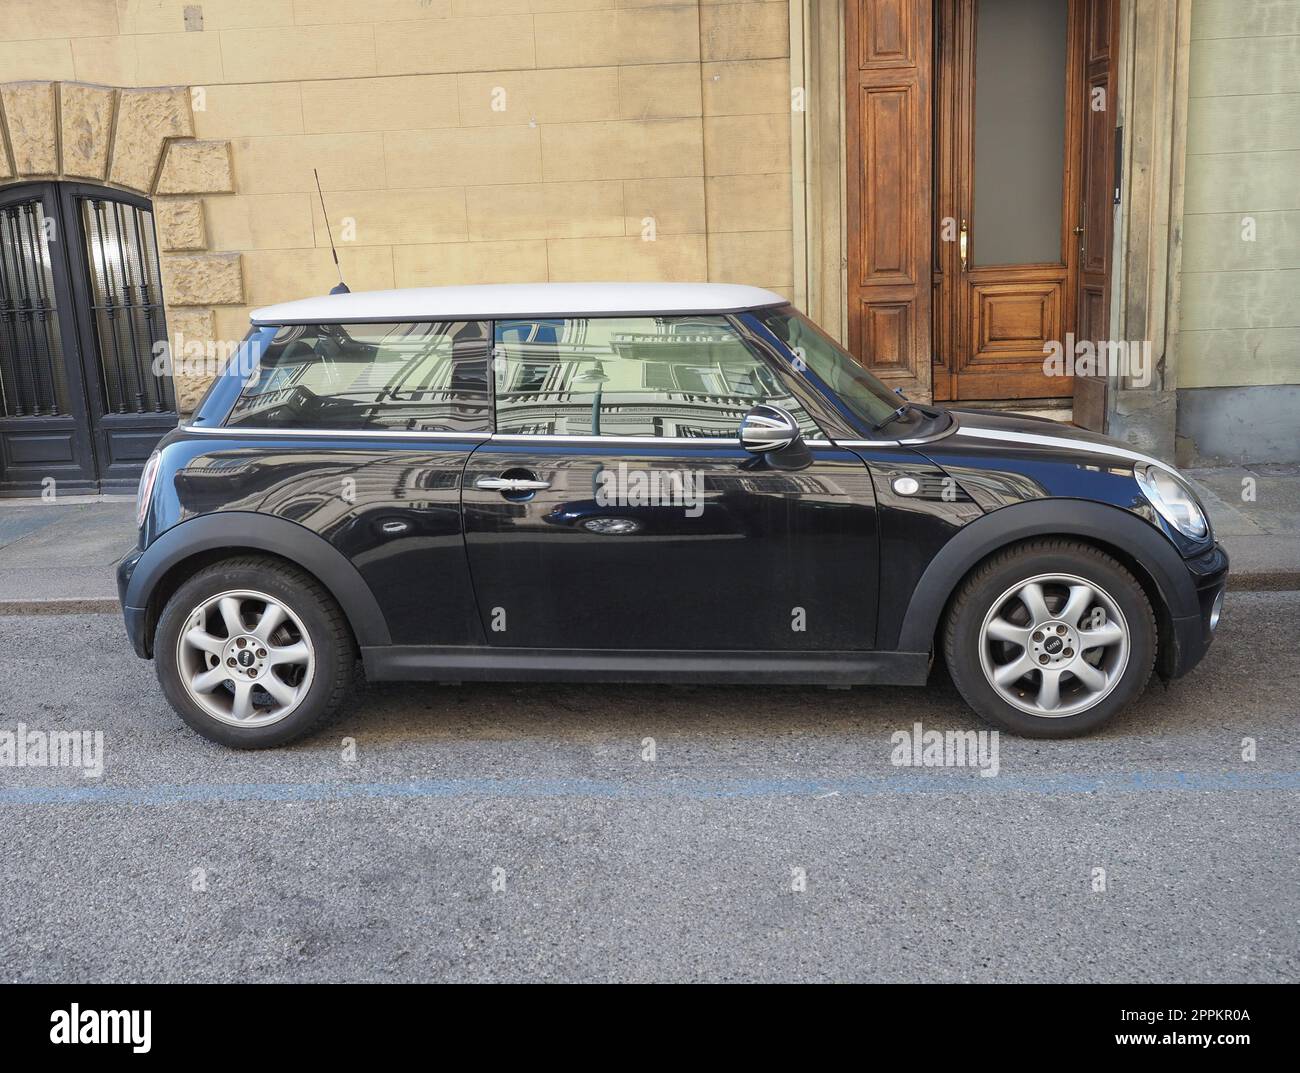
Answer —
(84, 392)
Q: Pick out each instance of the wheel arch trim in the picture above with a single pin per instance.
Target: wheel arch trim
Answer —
(243, 532)
(1067, 518)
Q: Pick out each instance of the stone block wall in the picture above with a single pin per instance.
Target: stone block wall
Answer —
(457, 141)
(142, 140)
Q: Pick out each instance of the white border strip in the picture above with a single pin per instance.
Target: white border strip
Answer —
(1063, 441)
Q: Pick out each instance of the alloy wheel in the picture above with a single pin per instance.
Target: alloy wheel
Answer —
(245, 658)
(1054, 645)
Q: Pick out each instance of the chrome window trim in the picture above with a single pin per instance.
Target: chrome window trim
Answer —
(520, 437)
(693, 441)
(318, 433)
(678, 441)
(483, 437)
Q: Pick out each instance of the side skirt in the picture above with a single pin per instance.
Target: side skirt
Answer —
(393, 663)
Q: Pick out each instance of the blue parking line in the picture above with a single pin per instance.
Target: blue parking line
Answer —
(965, 782)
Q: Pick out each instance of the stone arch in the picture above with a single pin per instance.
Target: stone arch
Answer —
(141, 140)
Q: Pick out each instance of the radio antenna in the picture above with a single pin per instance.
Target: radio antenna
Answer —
(340, 287)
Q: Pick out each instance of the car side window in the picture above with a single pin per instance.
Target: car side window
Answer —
(418, 377)
(688, 377)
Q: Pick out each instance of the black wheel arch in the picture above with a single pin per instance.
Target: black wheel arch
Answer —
(188, 547)
(1159, 567)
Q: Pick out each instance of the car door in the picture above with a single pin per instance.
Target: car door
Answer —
(614, 507)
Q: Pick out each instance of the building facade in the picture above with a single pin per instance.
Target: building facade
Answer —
(1124, 178)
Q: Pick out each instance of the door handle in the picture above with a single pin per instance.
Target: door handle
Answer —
(962, 244)
(510, 484)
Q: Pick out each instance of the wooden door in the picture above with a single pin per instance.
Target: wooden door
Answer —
(888, 60)
(1009, 130)
(1097, 197)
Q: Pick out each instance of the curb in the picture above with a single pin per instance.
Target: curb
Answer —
(60, 607)
(1274, 581)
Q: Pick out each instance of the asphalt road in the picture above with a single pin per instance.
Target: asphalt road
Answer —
(680, 868)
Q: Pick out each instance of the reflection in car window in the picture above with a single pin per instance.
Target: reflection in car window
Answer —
(866, 396)
(427, 377)
(687, 377)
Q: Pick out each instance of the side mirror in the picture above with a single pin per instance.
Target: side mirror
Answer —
(768, 428)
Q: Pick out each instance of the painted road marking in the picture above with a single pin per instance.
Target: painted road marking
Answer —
(863, 786)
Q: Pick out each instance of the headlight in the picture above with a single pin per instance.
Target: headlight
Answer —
(1175, 501)
(144, 492)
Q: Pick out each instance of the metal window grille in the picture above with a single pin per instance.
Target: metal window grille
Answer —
(126, 306)
(32, 376)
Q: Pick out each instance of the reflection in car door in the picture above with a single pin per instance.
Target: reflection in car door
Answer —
(583, 536)
(582, 556)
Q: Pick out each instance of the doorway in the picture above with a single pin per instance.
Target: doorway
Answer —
(83, 400)
(980, 144)
(1022, 185)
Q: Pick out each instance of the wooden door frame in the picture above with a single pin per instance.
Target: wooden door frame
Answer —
(946, 254)
(1096, 273)
(888, 58)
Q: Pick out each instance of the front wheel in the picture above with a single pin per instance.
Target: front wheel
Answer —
(253, 653)
(1050, 639)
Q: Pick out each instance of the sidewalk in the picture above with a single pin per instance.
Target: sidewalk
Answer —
(59, 557)
(1255, 511)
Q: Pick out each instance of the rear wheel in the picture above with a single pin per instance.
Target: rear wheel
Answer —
(253, 653)
(1050, 639)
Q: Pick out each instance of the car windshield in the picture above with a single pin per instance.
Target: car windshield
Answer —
(865, 396)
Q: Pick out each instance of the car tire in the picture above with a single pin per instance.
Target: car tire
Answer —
(1034, 615)
(242, 678)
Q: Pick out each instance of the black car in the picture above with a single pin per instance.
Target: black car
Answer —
(638, 483)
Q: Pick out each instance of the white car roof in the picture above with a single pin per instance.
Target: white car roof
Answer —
(519, 300)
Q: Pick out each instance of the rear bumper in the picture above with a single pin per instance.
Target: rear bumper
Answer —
(1193, 633)
(135, 617)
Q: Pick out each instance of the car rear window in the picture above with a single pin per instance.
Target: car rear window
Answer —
(428, 376)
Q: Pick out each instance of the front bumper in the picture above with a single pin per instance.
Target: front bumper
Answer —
(1191, 634)
(136, 617)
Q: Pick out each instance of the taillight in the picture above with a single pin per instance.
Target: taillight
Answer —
(145, 490)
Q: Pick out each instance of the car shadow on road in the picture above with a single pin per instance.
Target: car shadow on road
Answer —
(431, 712)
